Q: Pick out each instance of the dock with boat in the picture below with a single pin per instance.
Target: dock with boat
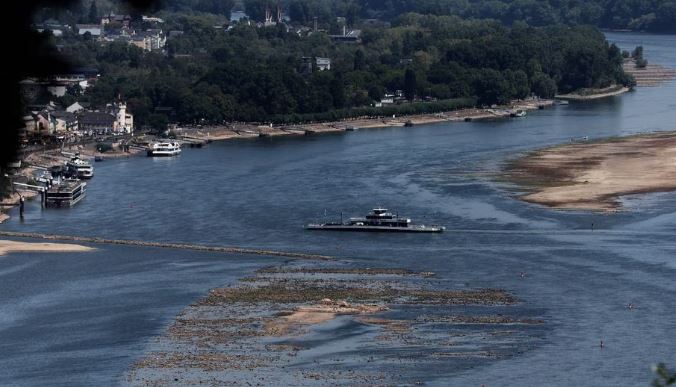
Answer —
(66, 193)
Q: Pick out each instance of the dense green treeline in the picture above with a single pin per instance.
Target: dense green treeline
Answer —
(647, 15)
(640, 15)
(257, 74)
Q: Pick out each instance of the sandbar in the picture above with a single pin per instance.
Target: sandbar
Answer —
(7, 247)
(593, 175)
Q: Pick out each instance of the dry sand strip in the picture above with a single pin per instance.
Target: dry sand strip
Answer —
(7, 247)
(594, 175)
(181, 246)
(651, 75)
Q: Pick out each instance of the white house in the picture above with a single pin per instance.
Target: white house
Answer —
(93, 29)
(323, 63)
(75, 108)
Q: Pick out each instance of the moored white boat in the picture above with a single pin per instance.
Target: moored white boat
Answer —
(79, 168)
(172, 148)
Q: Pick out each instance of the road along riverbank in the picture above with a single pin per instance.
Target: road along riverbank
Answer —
(249, 130)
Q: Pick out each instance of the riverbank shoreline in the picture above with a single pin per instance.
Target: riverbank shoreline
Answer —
(593, 176)
(248, 130)
(53, 157)
(594, 94)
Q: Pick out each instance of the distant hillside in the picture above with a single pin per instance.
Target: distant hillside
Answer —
(252, 73)
(639, 15)
(648, 15)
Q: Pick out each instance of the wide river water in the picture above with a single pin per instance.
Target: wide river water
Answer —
(82, 319)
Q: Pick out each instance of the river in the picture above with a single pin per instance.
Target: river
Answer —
(82, 319)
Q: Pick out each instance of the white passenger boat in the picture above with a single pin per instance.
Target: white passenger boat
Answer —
(172, 148)
(79, 168)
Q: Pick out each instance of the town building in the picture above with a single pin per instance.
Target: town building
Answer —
(94, 30)
(123, 21)
(124, 121)
(65, 121)
(77, 107)
(96, 122)
(353, 37)
(52, 25)
(323, 63)
(236, 16)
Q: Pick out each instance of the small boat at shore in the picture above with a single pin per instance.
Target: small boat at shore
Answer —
(519, 113)
(172, 148)
(378, 220)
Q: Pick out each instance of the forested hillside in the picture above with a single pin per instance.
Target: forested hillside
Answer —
(640, 15)
(257, 74)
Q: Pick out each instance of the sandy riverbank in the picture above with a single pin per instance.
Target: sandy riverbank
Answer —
(7, 247)
(594, 175)
(13, 200)
(651, 75)
(594, 94)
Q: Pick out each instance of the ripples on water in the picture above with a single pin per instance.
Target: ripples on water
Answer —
(87, 317)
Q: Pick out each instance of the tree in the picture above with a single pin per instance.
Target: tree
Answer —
(93, 13)
(158, 122)
(543, 86)
(491, 87)
(338, 92)
(376, 92)
(410, 84)
(359, 60)
(256, 9)
(664, 377)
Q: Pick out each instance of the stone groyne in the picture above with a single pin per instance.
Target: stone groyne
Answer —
(166, 245)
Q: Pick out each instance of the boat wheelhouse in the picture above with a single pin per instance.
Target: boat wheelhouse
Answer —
(66, 193)
(172, 148)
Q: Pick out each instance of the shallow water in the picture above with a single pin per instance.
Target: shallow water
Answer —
(83, 318)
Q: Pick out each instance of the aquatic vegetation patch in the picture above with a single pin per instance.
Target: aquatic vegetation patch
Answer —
(298, 325)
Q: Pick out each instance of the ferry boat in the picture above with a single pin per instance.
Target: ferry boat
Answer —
(379, 219)
(79, 168)
(164, 149)
(65, 193)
